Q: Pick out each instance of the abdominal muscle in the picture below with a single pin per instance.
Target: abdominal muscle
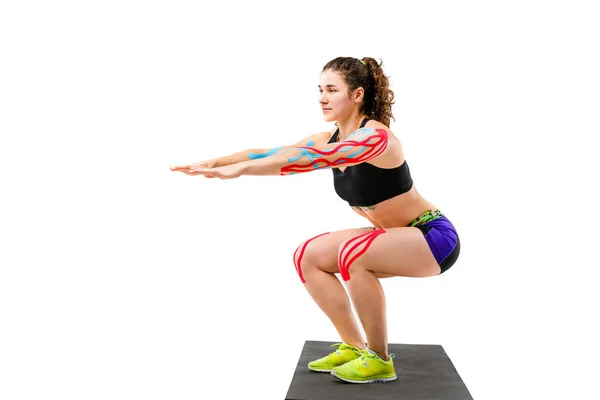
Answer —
(397, 211)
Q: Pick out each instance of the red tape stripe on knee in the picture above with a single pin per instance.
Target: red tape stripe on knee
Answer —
(298, 265)
(343, 262)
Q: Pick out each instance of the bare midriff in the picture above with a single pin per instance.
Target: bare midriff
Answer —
(397, 211)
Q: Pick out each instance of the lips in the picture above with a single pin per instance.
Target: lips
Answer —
(326, 109)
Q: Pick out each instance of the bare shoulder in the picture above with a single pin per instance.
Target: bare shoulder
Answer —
(378, 125)
(393, 154)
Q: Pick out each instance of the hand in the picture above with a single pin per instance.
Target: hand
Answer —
(225, 172)
(188, 169)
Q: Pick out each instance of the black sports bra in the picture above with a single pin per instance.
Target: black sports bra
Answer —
(365, 184)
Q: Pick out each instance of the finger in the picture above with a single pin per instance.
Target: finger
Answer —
(201, 170)
(188, 171)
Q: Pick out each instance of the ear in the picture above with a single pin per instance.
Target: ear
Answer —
(358, 95)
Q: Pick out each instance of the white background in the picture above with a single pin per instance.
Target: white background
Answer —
(123, 280)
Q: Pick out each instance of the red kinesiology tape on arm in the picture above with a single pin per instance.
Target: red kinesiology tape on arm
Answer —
(363, 145)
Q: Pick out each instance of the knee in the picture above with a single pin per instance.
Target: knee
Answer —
(351, 253)
(306, 256)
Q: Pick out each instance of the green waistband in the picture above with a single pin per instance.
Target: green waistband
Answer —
(429, 215)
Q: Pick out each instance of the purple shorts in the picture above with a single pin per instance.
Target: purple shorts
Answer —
(443, 241)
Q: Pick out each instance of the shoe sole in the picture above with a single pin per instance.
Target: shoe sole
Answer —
(368, 381)
(319, 370)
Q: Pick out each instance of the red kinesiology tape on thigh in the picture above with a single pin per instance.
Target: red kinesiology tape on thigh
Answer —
(350, 247)
(298, 264)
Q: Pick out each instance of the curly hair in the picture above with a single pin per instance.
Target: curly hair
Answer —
(368, 74)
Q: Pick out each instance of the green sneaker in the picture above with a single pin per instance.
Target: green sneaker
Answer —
(342, 355)
(368, 368)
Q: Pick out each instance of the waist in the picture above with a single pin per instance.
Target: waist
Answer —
(427, 216)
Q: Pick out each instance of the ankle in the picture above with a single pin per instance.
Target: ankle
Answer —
(357, 345)
(383, 356)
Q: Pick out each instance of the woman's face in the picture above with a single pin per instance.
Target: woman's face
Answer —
(335, 102)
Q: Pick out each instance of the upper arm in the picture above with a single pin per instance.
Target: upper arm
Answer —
(363, 145)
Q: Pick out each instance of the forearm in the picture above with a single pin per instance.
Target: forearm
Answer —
(246, 155)
(262, 166)
(289, 161)
(255, 154)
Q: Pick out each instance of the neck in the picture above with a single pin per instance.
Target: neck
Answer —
(350, 124)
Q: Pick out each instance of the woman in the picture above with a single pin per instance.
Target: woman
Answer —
(409, 236)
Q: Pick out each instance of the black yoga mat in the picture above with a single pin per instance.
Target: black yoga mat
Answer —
(424, 372)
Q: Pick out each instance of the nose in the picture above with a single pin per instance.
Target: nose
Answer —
(323, 98)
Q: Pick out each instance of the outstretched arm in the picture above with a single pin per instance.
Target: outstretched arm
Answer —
(199, 168)
(253, 154)
(363, 145)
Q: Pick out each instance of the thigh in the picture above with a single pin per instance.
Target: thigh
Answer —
(322, 250)
(394, 252)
